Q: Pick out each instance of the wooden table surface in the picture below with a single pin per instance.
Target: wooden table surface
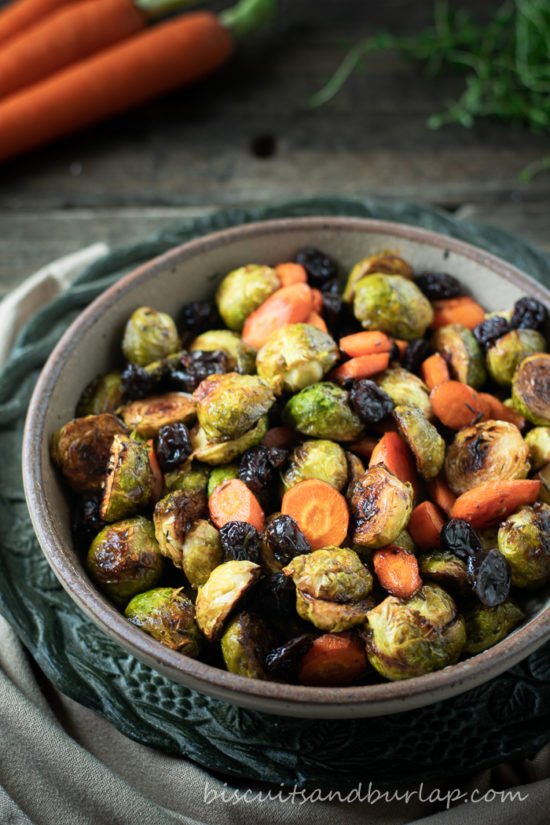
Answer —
(247, 135)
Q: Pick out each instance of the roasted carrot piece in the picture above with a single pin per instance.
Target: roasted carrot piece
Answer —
(317, 300)
(334, 659)
(401, 346)
(157, 472)
(456, 405)
(320, 511)
(397, 571)
(362, 367)
(441, 494)
(284, 438)
(434, 370)
(291, 273)
(425, 526)
(463, 310)
(490, 503)
(500, 412)
(288, 305)
(365, 343)
(315, 320)
(233, 501)
(364, 446)
(21, 14)
(394, 452)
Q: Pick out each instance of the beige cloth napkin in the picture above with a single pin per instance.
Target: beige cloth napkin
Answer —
(62, 764)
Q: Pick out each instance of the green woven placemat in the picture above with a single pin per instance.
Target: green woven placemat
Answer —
(508, 717)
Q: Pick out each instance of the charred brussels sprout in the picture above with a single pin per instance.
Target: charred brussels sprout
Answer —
(392, 304)
(508, 351)
(405, 388)
(192, 478)
(462, 352)
(296, 356)
(81, 449)
(415, 636)
(220, 595)
(381, 506)
(201, 552)
(229, 405)
(242, 291)
(445, 569)
(220, 474)
(485, 626)
(168, 616)
(173, 517)
(124, 559)
(538, 441)
(524, 540)
(241, 357)
(488, 451)
(149, 336)
(333, 573)
(146, 417)
(225, 451)
(531, 388)
(130, 481)
(332, 617)
(323, 410)
(383, 262)
(245, 644)
(102, 395)
(423, 439)
(321, 459)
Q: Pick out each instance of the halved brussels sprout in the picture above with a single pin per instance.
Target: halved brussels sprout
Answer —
(462, 352)
(422, 437)
(242, 358)
(124, 559)
(81, 449)
(129, 482)
(323, 410)
(146, 417)
(220, 595)
(445, 569)
(333, 573)
(381, 506)
(296, 356)
(102, 395)
(487, 451)
(321, 459)
(524, 539)
(392, 304)
(403, 387)
(404, 540)
(201, 552)
(356, 469)
(485, 626)
(219, 474)
(386, 262)
(538, 441)
(531, 388)
(505, 355)
(245, 644)
(173, 517)
(167, 615)
(226, 451)
(415, 636)
(191, 477)
(242, 291)
(149, 335)
(231, 404)
(332, 617)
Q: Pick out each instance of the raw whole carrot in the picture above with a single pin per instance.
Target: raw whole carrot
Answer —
(364, 446)
(334, 660)
(284, 438)
(369, 342)
(291, 273)
(233, 501)
(397, 571)
(441, 494)
(19, 15)
(320, 511)
(434, 371)
(288, 305)
(425, 526)
(463, 310)
(315, 320)
(457, 405)
(500, 412)
(362, 367)
(395, 453)
(490, 503)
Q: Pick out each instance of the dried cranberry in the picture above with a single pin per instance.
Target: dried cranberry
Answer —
(416, 352)
(490, 330)
(240, 541)
(282, 663)
(438, 285)
(194, 367)
(197, 317)
(137, 382)
(528, 314)
(259, 466)
(276, 595)
(370, 402)
(86, 523)
(490, 575)
(173, 446)
(285, 539)
(319, 267)
(460, 538)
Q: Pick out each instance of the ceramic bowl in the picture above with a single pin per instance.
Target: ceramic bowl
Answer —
(92, 345)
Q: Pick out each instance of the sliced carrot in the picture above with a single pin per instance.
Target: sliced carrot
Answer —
(441, 494)
(365, 343)
(364, 446)
(317, 300)
(490, 503)
(291, 273)
(157, 472)
(288, 305)
(500, 412)
(397, 571)
(401, 346)
(463, 310)
(362, 367)
(395, 453)
(434, 370)
(320, 511)
(425, 526)
(456, 404)
(315, 320)
(284, 438)
(233, 501)
(334, 659)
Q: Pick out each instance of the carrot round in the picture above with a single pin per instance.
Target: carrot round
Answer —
(463, 310)
(362, 367)
(425, 526)
(456, 404)
(288, 305)
(291, 273)
(434, 371)
(320, 511)
(334, 660)
(233, 501)
(19, 15)
(441, 494)
(500, 412)
(315, 320)
(397, 571)
(490, 503)
(395, 453)
(369, 342)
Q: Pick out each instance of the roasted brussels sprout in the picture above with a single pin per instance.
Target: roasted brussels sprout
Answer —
(524, 540)
(333, 573)
(531, 388)
(241, 357)
(242, 291)
(332, 617)
(201, 552)
(485, 626)
(422, 437)
(386, 262)
(488, 451)
(190, 477)
(538, 441)
(229, 405)
(124, 559)
(323, 410)
(81, 449)
(381, 506)
(102, 395)
(130, 482)
(245, 644)
(462, 352)
(223, 472)
(392, 304)
(415, 636)
(356, 469)
(404, 387)
(445, 569)
(167, 615)
(296, 356)
(149, 336)
(216, 599)
(321, 459)
(173, 517)
(226, 451)
(404, 540)
(508, 351)
(146, 417)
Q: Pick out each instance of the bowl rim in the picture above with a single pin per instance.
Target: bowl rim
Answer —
(271, 697)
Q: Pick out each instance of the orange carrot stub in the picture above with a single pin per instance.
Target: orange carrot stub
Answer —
(365, 343)
(434, 371)
(394, 452)
(463, 310)
(288, 305)
(334, 660)
(320, 511)
(425, 526)
(397, 571)
(233, 501)
(441, 494)
(291, 273)
(500, 412)
(17, 16)
(154, 61)
(362, 367)
(457, 405)
(490, 503)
